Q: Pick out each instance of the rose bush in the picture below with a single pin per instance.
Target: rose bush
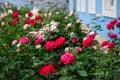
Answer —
(38, 44)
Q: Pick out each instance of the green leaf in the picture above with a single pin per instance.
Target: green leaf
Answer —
(83, 73)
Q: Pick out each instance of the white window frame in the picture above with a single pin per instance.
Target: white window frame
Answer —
(108, 9)
(78, 5)
(73, 5)
(91, 6)
(83, 5)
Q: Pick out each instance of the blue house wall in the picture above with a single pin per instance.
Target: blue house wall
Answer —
(86, 17)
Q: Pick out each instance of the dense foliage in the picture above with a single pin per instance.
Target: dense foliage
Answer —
(38, 44)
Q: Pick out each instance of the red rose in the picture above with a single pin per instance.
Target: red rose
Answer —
(50, 46)
(15, 14)
(112, 35)
(34, 24)
(113, 22)
(118, 24)
(29, 14)
(46, 70)
(24, 40)
(104, 43)
(92, 35)
(38, 41)
(87, 42)
(67, 58)
(28, 21)
(14, 22)
(38, 17)
(110, 45)
(60, 42)
(110, 26)
(74, 40)
(119, 18)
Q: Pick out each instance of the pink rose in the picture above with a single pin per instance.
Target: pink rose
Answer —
(14, 42)
(38, 41)
(112, 35)
(24, 40)
(67, 58)
(78, 50)
(60, 42)
(25, 26)
(74, 40)
(3, 23)
(50, 46)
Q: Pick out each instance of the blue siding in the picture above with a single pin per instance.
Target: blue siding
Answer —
(86, 17)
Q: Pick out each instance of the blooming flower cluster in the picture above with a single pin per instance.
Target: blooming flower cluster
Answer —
(89, 40)
(107, 45)
(16, 18)
(50, 44)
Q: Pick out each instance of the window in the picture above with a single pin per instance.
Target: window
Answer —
(109, 8)
(91, 6)
(83, 5)
(78, 5)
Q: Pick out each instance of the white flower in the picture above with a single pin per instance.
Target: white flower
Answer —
(50, 14)
(66, 17)
(18, 45)
(54, 23)
(6, 4)
(18, 8)
(69, 25)
(26, 15)
(68, 48)
(35, 11)
(14, 42)
(18, 49)
(38, 46)
(25, 26)
(78, 21)
(57, 13)
(53, 28)
(71, 13)
(33, 57)
(45, 14)
(119, 54)
(41, 31)
(10, 11)
(3, 23)
(98, 15)
(72, 34)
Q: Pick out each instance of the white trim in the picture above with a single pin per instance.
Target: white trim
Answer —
(78, 5)
(73, 5)
(108, 9)
(83, 5)
(91, 6)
